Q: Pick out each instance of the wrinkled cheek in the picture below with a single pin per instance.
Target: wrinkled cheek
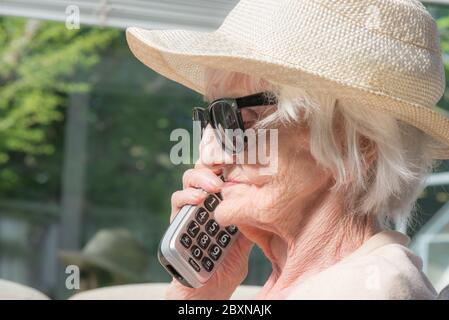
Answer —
(234, 192)
(230, 212)
(241, 205)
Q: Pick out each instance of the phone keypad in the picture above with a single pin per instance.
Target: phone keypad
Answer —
(232, 229)
(194, 265)
(202, 216)
(196, 252)
(207, 264)
(193, 229)
(204, 237)
(186, 241)
(203, 240)
(211, 202)
(212, 227)
(215, 252)
(223, 239)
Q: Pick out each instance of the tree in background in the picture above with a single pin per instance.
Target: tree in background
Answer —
(432, 198)
(132, 110)
(442, 19)
(39, 63)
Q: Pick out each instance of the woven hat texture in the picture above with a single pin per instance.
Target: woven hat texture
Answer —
(380, 54)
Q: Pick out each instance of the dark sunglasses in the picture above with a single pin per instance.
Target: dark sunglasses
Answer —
(226, 119)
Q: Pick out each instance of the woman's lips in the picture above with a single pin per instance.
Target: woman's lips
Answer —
(230, 183)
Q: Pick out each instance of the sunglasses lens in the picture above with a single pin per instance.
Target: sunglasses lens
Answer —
(199, 115)
(227, 126)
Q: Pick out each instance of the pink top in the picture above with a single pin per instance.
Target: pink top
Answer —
(382, 268)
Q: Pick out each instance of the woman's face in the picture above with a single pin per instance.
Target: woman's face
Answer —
(265, 196)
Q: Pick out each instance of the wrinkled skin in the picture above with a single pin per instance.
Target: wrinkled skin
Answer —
(290, 213)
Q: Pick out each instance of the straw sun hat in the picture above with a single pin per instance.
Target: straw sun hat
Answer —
(381, 54)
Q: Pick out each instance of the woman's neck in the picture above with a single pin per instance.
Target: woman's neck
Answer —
(323, 236)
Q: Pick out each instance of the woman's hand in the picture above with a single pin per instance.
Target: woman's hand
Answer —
(234, 267)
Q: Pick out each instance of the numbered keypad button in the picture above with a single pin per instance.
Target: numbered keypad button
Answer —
(202, 215)
(223, 239)
(232, 229)
(203, 240)
(196, 252)
(193, 229)
(194, 265)
(212, 227)
(185, 240)
(207, 264)
(211, 203)
(215, 252)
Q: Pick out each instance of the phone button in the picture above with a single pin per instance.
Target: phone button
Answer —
(202, 216)
(212, 227)
(196, 252)
(211, 203)
(194, 265)
(193, 229)
(223, 239)
(185, 240)
(232, 229)
(203, 240)
(215, 252)
(207, 264)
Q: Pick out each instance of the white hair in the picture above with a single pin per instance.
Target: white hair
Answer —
(391, 185)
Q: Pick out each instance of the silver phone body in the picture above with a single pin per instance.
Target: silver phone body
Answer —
(175, 258)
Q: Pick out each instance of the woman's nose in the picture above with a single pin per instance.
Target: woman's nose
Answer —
(211, 152)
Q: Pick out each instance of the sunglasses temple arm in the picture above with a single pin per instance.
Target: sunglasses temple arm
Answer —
(258, 99)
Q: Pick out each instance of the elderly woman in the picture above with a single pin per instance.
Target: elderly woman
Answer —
(354, 84)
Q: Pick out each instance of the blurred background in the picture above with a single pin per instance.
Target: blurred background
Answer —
(85, 174)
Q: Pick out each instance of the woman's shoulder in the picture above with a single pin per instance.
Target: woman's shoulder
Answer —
(389, 271)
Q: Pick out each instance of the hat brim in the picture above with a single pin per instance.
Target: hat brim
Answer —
(183, 56)
(82, 259)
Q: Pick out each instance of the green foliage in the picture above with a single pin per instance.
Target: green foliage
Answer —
(40, 64)
(442, 18)
(133, 110)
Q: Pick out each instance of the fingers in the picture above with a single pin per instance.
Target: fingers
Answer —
(184, 197)
(216, 169)
(196, 184)
(202, 178)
